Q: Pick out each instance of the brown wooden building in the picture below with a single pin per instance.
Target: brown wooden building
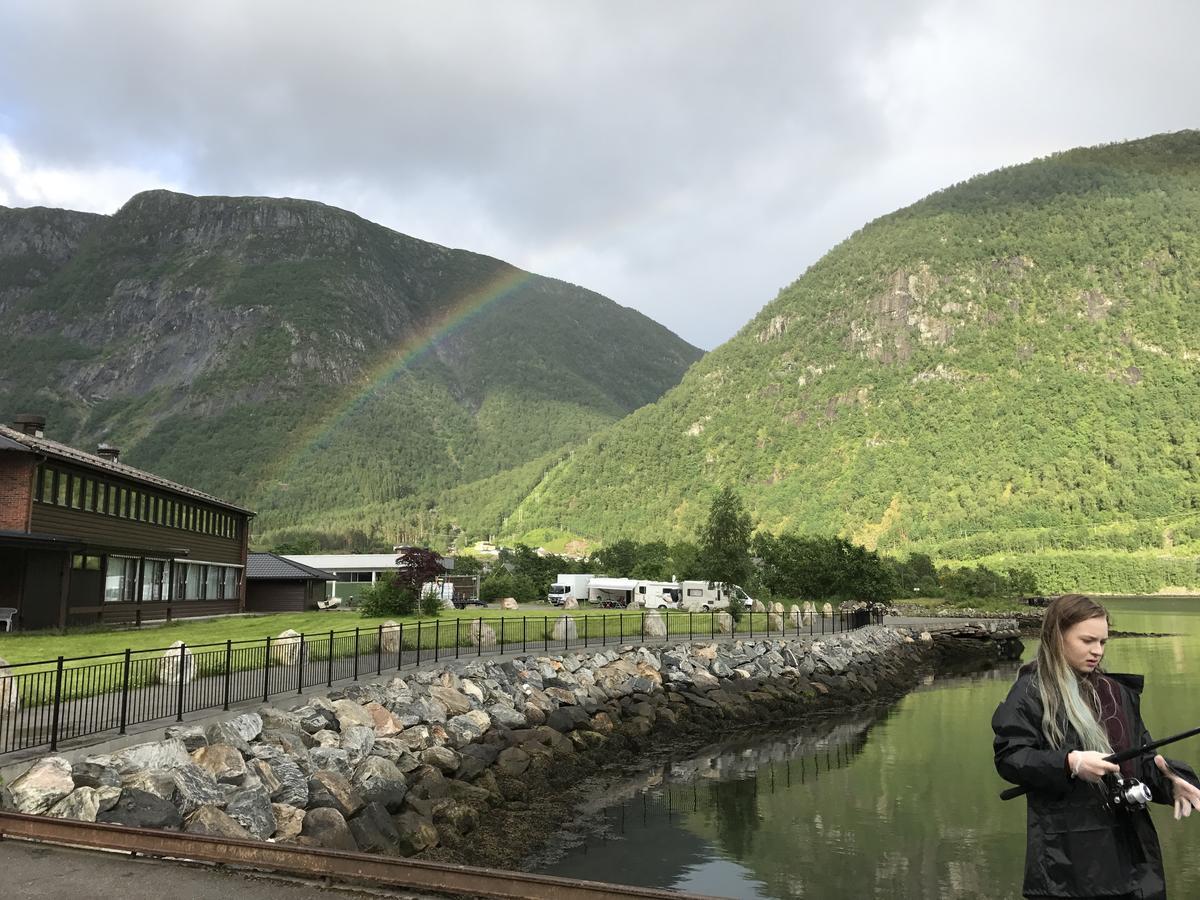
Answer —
(275, 584)
(85, 538)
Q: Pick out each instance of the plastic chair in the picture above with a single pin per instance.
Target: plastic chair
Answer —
(8, 615)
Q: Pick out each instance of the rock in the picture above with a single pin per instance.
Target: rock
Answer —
(456, 702)
(46, 783)
(156, 755)
(380, 781)
(509, 603)
(512, 762)
(827, 610)
(194, 787)
(357, 741)
(777, 608)
(177, 664)
(293, 783)
(725, 623)
(212, 822)
(442, 758)
(222, 761)
(289, 648)
(925, 637)
(82, 804)
(288, 821)
(261, 769)
(482, 637)
(567, 718)
(350, 713)
(507, 716)
(459, 816)
(159, 782)
(654, 625)
(468, 727)
(191, 736)
(225, 733)
(415, 833)
(10, 698)
(327, 828)
(277, 720)
(758, 606)
(775, 622)
(330, 790)
(389, 638)
(332, 759)
(415, 738)
(374, 832)
(385, 724)
(570, 603)
(141, 810)
(252, 810)
(95, 775)
(565, 628)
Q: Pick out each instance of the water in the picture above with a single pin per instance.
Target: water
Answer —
(898, 802)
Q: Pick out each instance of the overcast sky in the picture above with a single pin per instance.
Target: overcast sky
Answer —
(686, 158)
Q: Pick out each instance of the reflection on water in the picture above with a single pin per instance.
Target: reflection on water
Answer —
(898, 802)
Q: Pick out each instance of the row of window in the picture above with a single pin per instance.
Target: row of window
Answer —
(128, 579)
(58, 487)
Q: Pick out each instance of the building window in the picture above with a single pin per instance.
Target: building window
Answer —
(120, 579)
(89, 495)
(83, 563)
(47, 490)
(61, 485)
(155, 578)
(212, 590)
(194, 588)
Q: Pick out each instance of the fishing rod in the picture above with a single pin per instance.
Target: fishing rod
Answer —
(1014, 792)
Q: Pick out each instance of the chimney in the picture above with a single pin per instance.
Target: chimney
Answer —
(30, 424)
(109, 452)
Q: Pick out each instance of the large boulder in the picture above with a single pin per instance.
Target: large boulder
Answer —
(289, 649)
(565, 628)
(380, 781)
(415, 832)
(141, 810)
(654, 625)
(177, 665)
(349, 713)
(222, 761)
(170, 754)
(289, 820)
(194, 787)
(725, 623)
(570, 603)
(330, 790)
(374, 832)
(82, 804)
(777, 608)
(509, 603)
(10, 700)
(389, 638)
(252, 810)
(827, 610)
(46, 783)
(212, 822)
(483, 636)
(327, 828)
(456, 702)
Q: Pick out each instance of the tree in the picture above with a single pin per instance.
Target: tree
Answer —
(725, 543)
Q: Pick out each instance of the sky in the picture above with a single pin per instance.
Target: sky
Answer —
(687, 158)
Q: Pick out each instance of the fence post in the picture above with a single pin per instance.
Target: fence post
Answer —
(691, 631)
(457, 635)
(524, 632)
(418, 642)
(228, 670)
(182, 664)
(58, 677)
(546, 633)
(502, 635)
(379, 651)
(567, 634)
(356, 653)
(400, 648)
(329, 671)
(125, 690)
(267, 672)
(437, 638)
(643, 639)
(301, 664)
(479, 643)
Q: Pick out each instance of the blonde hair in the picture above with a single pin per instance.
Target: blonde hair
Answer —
(1068, 698)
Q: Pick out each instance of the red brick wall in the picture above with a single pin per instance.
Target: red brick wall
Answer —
(16, 491)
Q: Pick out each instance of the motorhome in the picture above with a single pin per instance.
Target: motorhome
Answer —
(704, 596)
(659, 594)
(569, 586)
(612, 593)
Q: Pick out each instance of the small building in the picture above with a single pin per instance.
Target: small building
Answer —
(85, 538)
(277, 584)
(355, 572)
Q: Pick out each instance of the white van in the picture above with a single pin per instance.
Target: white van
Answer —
(705, 596)
(570, 586)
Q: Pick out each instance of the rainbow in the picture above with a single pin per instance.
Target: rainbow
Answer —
(454, 315)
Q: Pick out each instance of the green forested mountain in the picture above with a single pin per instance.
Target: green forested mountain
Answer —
(326, 371)
(1005, 371)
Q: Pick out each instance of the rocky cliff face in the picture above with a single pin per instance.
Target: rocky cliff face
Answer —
(244, 322)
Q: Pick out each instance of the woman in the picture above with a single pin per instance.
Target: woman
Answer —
(1061, 719)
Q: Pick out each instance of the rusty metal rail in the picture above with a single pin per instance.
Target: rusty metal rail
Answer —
(310, 862)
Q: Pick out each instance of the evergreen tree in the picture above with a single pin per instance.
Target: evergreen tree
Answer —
(725, 543)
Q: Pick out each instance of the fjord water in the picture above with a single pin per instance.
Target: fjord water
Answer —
(898, 802)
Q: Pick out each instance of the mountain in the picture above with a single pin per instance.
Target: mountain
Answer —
(331, 373)
(1006, 371)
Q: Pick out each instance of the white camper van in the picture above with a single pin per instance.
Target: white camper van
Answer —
(659, 594)
(704, 596)
(612, 593)
(568, 585)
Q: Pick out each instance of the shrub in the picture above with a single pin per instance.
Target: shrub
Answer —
(386, 597)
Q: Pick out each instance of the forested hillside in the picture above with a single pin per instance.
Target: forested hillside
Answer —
(336, 376)
(1006, 371)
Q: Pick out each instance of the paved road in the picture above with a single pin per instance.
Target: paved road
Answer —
(43, 872)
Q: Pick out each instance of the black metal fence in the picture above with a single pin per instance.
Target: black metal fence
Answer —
(52, 701)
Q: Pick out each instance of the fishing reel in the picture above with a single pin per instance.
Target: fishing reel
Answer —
(1128, 794)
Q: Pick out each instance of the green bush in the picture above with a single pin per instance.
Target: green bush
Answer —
(387, 598)
(431, 604)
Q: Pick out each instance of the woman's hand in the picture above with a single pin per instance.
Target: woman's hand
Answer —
(1187, 796)
(1090, 765)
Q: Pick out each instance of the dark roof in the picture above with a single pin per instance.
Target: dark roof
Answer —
(274, 566)
(55, 450)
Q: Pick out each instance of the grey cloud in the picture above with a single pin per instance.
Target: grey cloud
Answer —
(687, 158)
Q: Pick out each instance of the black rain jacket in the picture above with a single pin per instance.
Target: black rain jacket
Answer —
(1075, 846)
